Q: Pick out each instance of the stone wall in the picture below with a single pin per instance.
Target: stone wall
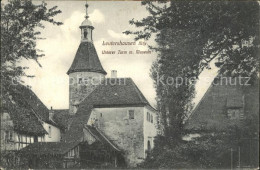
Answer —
(126, 133)
(81, 85)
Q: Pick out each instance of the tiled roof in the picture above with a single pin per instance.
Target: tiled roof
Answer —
(36, 104)
(60, 148)
(47, 148)
(86, 59)
(116, 92)
(61, 117)
(111, 93)
(22, 113)
(33, 101)
(76, 125)
(98, 135)
(211, 112)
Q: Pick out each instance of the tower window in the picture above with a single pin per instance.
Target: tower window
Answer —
(85, 33)
(80, 80)
(131, 114)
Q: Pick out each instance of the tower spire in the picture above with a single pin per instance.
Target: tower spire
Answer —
(86, 27)
(86, 5)
(85, 66)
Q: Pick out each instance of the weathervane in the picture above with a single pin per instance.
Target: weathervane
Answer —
(86, 5)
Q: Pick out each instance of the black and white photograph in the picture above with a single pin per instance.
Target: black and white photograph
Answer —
(132, 84)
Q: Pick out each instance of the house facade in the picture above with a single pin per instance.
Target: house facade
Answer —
(229, 103)
(131, 128)
(24, 120)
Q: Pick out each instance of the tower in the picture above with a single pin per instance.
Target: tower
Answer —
(86, 71)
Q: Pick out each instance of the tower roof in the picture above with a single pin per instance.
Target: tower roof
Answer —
(86, 22)
(86, 59)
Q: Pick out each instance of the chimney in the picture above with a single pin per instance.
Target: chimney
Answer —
(114, 74)
(51, 114)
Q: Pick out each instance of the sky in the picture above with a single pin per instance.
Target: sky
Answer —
(110, 19)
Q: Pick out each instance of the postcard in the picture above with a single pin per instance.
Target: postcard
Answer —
(129, 84)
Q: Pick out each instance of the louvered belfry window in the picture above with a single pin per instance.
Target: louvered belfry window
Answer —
(85, 33)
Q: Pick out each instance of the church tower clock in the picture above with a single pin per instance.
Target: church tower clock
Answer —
(86, 71)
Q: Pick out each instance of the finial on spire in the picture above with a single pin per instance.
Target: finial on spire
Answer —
(86, 5)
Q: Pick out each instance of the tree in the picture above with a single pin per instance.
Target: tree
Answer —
(210, 150)
(192, 34)
(20, 21)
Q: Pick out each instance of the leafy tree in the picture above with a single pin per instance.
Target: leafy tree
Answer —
(20, 23)
(192, 34)
(210, 150)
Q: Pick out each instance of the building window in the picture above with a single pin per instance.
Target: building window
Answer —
(35, 139)
(72, 152)
(148, 117)
(80, 81)
(8, 136)
(234, 114)
(49, 132)
(148, 146)
(131, 114)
